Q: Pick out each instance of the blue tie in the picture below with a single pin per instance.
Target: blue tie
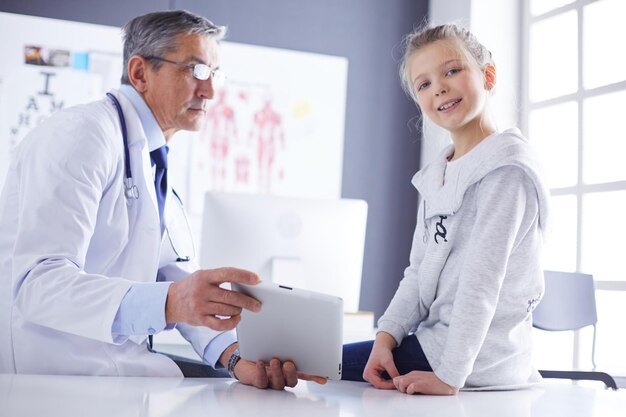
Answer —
(159, 158)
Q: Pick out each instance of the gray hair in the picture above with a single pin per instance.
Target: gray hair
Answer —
(155, 34)
(426, 35)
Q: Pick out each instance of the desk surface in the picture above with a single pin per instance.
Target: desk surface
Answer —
(67, 396)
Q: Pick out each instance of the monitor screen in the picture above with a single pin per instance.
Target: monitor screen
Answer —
(314, 244)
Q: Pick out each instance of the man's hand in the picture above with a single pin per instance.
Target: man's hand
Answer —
(421, 382)
(381, 360)
(198, 299)
(275, 375)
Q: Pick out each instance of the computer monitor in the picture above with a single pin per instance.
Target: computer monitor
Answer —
(314, 244)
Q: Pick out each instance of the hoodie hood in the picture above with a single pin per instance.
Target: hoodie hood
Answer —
(498, 150)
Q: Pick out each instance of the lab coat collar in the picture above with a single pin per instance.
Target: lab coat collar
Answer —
(151, 127)
(138, 138)
(134, 128)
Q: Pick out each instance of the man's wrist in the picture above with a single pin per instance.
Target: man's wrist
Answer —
(226, 354)
(232, 362)
(170, 310)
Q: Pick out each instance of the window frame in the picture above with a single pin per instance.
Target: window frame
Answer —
(579, 97)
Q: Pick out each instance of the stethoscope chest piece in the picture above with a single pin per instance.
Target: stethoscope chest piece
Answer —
(130, 189)
(183, 251)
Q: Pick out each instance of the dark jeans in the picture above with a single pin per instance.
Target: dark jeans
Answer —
(408, 357)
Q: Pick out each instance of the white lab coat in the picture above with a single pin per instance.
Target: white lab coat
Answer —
(71, 247)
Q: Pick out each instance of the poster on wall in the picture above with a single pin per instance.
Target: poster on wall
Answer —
(276, 127)
(48, 65)
(36, 93)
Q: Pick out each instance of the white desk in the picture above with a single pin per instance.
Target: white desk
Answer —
(68, 396)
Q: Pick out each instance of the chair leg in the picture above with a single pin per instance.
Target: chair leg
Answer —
(581, 376)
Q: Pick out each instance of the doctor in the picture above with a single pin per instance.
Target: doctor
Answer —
(92, 242)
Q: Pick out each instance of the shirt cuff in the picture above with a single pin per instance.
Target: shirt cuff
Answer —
(216, 347)
(141, 312)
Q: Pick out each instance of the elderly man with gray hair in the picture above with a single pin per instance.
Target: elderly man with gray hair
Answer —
(95, 257)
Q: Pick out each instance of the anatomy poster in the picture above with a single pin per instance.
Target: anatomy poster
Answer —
(276, 127)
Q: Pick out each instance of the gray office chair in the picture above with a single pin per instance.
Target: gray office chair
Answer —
(569, 303)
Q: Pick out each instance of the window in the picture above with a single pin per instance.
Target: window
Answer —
(574, 89)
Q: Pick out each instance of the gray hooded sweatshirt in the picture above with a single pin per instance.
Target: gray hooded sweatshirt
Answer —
(475, 270)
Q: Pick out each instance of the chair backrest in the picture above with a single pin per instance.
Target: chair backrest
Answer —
(569, 302)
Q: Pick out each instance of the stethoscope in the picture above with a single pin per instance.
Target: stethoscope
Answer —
(130, 189)
(132, 192)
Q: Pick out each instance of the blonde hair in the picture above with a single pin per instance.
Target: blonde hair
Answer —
(426, 35)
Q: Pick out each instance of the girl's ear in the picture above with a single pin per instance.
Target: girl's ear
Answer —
(490, 77)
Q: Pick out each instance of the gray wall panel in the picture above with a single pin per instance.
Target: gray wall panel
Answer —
(108, 12)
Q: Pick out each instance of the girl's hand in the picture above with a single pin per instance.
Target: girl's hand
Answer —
(381, 360)
(420, 382)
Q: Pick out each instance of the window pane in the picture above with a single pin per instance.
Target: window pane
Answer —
(553, 60)
(604, 61)
(538, 7)
(553, 131)
(560, 247)
(604, 139)
(604, 228)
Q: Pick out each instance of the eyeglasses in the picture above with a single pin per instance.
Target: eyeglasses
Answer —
(199, 71)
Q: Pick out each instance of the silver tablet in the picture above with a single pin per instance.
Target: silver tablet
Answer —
(293, 324)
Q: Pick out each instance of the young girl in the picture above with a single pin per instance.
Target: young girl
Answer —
(461, 317)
